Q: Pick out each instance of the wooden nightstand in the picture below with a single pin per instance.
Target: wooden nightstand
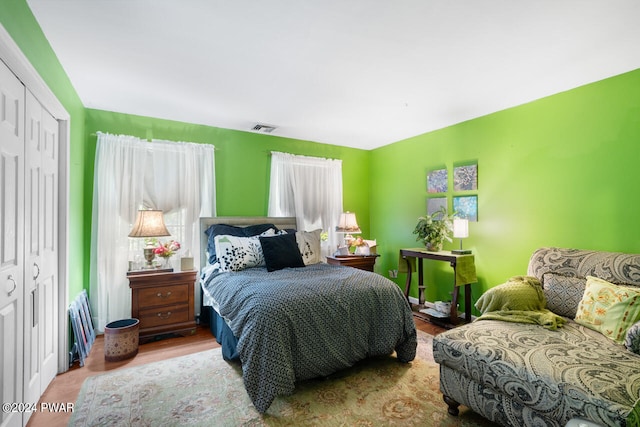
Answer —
(163, 302)
(363, 262)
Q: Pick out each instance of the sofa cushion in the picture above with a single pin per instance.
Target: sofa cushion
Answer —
(557, 374)
(609, 309)
(563, 293)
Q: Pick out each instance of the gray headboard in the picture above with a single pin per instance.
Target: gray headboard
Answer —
(239, 221)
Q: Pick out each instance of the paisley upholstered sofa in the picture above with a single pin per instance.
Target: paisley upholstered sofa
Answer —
(519, 374)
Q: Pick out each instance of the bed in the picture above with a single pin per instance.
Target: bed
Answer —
(299, 321)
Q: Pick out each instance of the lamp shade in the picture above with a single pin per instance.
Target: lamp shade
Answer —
(149, 223)
(460, 228)
(348, 223)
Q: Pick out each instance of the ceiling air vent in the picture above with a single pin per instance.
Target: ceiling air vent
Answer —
(263, 128)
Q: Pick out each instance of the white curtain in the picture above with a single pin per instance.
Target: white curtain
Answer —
(131, 174)
(309, 188)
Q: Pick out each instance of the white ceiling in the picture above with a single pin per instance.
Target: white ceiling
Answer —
(357, 73)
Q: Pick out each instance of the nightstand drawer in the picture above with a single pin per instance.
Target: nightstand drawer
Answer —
(161, 316)
(162, 295)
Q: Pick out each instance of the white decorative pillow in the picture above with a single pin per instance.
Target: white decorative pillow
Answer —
(237, 253)
(309, 245)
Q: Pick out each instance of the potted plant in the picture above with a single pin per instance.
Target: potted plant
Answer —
(432, 230)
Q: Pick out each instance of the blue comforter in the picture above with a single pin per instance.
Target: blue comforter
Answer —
(301, 323)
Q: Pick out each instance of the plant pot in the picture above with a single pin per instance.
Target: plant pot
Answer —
(434, 247)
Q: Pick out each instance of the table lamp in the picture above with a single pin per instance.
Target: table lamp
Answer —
(149, 223)
(460, 231)
(348, 225)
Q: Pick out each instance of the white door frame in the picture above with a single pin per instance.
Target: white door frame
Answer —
(18, 63)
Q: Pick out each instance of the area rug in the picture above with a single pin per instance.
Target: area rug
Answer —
(203, 389)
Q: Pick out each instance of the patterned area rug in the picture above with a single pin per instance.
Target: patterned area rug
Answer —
(204, 389)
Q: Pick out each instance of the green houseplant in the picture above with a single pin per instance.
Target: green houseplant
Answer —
(432, 230)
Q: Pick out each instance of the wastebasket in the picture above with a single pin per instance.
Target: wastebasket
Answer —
(121, 340)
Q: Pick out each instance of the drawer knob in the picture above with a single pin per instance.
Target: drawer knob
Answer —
(163, 296)
(165, 315)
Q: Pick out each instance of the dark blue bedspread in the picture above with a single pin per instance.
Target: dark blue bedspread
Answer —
(302, 323)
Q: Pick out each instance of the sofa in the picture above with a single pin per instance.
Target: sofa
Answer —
(530, 374)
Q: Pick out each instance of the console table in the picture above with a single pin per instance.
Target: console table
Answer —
(464, 272)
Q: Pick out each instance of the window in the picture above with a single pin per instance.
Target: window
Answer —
(309, 188)
(175, 177)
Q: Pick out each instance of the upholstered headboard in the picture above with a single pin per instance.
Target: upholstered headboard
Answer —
(239, 221)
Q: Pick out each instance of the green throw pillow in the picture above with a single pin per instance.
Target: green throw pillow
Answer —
(522, 293)
(609, 309)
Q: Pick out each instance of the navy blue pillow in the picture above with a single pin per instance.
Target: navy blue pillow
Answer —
(231, 230)
(281, 252)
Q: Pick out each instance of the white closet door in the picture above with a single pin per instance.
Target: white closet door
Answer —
(50, 256)
(41, 257)
(11, 242)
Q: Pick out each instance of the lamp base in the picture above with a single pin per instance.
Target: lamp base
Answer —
(461, 251)
(149, 256)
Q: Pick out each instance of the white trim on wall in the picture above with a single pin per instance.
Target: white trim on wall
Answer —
(18, 63)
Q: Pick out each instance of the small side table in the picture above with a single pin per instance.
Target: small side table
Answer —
(464, 272)
(362, 262)
(164, 302)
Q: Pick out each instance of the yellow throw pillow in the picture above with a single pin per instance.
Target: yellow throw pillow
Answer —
(609, 309)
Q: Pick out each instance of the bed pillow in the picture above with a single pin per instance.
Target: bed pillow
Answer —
(237, 253)
(309, 246)
(609, 309)
(281, 252)
(563, 293)
(231, 230)
(523, 293)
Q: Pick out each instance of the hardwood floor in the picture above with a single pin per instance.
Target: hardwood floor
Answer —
(65, 387)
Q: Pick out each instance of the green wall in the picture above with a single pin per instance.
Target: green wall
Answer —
(560, 171)
(242, 162)
(17, 19)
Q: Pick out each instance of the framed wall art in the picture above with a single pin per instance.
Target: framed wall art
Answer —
(437, 181)
(466, 207)
(465, 178)
(434, 204)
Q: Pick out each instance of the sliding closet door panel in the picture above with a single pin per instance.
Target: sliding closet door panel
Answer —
(11, 242)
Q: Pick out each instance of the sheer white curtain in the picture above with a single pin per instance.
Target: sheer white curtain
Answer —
(309, 188)
(130, 173)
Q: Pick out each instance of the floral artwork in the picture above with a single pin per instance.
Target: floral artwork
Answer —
(435, 204)
(437, 181)
(465, 178)
(466, 207)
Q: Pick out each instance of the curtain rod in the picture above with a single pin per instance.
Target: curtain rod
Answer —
(215, 148)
